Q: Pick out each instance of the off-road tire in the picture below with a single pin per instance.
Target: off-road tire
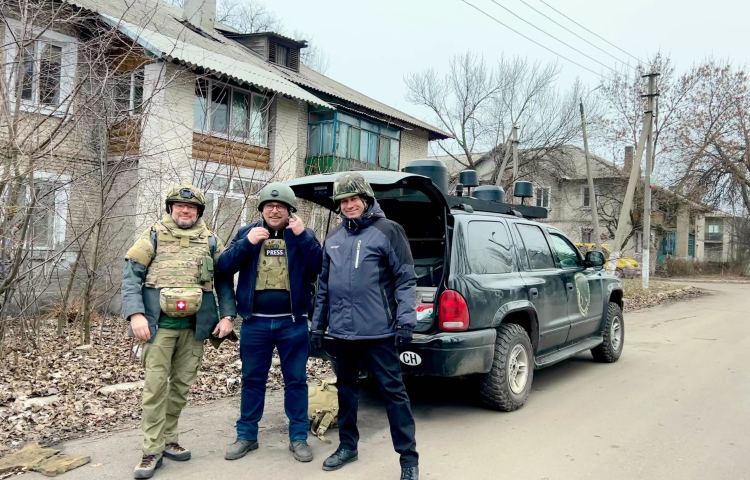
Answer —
(495, 386)
(614, 336)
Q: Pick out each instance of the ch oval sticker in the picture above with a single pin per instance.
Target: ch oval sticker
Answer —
(410, 358)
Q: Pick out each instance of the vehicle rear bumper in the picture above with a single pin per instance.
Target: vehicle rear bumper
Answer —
(447, 354)
(452, 354)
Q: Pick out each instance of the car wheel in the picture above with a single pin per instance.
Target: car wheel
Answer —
(614, 336)
(508, 383)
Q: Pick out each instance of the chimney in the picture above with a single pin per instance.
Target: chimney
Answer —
(628, 163)
(200, 13)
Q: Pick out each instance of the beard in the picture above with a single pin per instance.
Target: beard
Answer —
(185, 223)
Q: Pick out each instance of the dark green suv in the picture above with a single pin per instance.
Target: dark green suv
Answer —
(498, 295)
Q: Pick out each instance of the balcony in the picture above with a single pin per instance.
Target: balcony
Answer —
(714, 237)
(330, 164)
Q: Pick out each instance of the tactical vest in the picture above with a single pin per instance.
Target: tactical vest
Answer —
(182, 258)
(273, 268)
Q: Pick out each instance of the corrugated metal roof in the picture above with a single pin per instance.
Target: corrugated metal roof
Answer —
(309, 78)
(160, 30)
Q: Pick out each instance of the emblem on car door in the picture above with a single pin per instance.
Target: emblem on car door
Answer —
(410, 358)
(583, 293)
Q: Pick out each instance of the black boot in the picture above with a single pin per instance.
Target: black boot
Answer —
(409, 473)
(339, 458)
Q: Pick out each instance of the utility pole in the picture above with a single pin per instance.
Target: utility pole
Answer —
(627, 203)
(592, 192)
(646, 263)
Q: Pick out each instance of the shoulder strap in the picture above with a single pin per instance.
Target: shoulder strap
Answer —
(211, 244)
(154, 236)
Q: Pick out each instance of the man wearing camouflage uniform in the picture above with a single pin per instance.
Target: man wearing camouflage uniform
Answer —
(168, 297)
(366, 299)
(278, 260)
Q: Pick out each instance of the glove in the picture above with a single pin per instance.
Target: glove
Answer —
(216, 341)
(403, 337)
(316, 339)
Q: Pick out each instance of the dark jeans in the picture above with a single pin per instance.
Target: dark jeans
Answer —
(381, 358)
(258, 337)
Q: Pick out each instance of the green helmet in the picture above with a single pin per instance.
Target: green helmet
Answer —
(278, 192)
(351, 184)
(185, 193)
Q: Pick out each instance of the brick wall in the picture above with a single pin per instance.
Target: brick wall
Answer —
(413, 146)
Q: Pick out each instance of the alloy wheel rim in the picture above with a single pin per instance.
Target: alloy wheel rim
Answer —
(615, 333)
(518, 369)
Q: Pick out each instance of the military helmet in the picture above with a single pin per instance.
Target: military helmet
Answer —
(351, 184)
(185, 193)
(278, 192)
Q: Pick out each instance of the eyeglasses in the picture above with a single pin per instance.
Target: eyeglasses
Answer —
(274, 206)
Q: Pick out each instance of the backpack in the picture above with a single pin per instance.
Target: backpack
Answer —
(323, 407)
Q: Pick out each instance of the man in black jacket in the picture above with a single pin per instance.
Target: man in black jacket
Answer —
(278, 260)
(366, 300)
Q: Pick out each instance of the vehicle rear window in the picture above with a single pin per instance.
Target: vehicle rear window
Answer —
(490, 248)
(537, 248)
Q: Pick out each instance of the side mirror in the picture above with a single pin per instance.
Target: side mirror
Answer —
(594, 259)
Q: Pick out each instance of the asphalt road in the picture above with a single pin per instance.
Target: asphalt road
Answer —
(676, 405)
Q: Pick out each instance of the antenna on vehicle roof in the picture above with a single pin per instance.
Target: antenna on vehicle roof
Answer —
(468, 178)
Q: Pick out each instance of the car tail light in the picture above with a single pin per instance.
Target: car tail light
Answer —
(454, 314)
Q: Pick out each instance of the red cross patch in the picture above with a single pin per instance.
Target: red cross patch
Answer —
(181, 304)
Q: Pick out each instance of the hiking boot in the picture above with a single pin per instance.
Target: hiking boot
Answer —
(301, 451)
(239, 448)
(339, 458)
(409, 473)
(174, 451)
(147, 466)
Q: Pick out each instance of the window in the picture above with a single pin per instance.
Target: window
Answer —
(566, 252)
(345, 136)
(128, 92)
(490, 248)
(49, 198)
(537, 249)
(542, 196)
(282, 55)
(229, 112)
(230, 203)
(586, 197)
(587, 234)
(713, 232)
(47, 69)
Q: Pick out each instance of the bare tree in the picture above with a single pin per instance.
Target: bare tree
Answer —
(712, 137)
(460, 101)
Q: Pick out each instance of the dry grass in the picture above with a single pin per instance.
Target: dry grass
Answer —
(659, 292)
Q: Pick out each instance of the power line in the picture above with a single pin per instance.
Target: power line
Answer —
(531, 39)
(552, 36)
(572, 32)
(592, 32)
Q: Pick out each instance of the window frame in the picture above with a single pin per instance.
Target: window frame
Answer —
(231, 191)
(514, 266)
(345, 127)
(59, 212)
(579, 259)
(68, 66)
(528, 263)
(206, 110)
(131, 108)
(548, 191)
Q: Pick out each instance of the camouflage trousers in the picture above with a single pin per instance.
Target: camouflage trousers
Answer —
(171, 361)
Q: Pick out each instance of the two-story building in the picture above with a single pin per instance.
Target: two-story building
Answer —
(179, 98)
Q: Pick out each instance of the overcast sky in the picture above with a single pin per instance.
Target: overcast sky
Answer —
(371, 45)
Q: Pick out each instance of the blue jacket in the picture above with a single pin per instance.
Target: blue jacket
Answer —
(367, 286)
(304, 258)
